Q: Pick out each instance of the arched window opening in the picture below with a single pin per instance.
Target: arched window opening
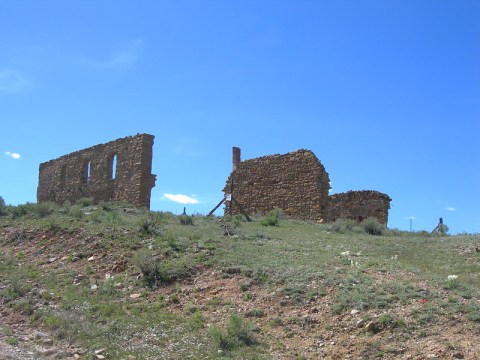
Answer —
(87, 172)
(114, 167)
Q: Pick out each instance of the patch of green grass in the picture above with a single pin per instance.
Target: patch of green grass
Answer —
(272, 218)
(237, 333)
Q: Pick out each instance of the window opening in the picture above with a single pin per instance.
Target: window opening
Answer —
(114, 166)
(87, 172)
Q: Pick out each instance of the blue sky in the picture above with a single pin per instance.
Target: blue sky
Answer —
(385, 93)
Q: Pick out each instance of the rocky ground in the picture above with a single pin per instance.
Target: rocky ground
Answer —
(289, 329)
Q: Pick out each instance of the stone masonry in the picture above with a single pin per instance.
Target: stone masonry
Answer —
(298, 184)
(118, 171)
(358, 205)
(295, 182)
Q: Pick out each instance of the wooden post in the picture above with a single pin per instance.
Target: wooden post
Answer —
(216, 207)
(241, 209)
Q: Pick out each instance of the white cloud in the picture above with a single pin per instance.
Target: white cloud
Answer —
(181, 199)
(13, 81)
(449, 208)
(13, 155)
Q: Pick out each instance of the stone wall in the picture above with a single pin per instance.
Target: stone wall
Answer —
(119, 170)
(358, 205)
(295, 182)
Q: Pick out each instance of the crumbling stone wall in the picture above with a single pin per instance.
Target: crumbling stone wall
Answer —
(358, 205)
(119, 170)
(295, 182)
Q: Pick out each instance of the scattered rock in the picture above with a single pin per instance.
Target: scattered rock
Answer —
(45, 351)
(135, 296)
(371, 326)
(360, 323)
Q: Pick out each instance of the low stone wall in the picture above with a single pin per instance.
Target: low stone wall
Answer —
(358, 205)
(295, 182)
(119, 170)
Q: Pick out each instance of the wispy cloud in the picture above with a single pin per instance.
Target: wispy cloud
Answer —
(124, 56)
(13, 81)
(13, 155)
(449, 208)
(181, 199)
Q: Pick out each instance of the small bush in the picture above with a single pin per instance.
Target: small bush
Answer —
(171, 241)
(344, 225)
(272, 218)
(84, 202)
(44, 209)
(255, 313)
(155, 272)
(236, 334)
(76, 212)
(235, 220)
(106, 205)
(149, 266)
(149, 226)
(186, 220)
(372, 226)
(96, 216)
(66, 206)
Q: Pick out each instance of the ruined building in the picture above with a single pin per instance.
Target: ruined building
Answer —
(119, 170)
(295, 182)
(298, 184)
(358, 205)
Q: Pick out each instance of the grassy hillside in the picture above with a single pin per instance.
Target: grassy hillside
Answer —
(114, 282)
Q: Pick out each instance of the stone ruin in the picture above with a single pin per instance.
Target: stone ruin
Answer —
(119, 171)
(358, 205)
(298, 184)
(295, 182)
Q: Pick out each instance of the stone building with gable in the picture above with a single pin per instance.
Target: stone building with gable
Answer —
(298, 184)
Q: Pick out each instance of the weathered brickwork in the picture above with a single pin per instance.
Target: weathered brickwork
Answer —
(119, 170)
(295, 182)
(298, 184)
(358, 205)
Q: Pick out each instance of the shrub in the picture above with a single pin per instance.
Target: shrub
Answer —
(186, 220)
(66, 206)
(22, 210)
(96, 216)
(344, 225)
(236, 334)
(272, 218)
(171, 241)
(372, 226)
(155, 273)
(149, 226)
(255, 313)
(44, 209)
(84, 202)
(443, 229)
(76, 211)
